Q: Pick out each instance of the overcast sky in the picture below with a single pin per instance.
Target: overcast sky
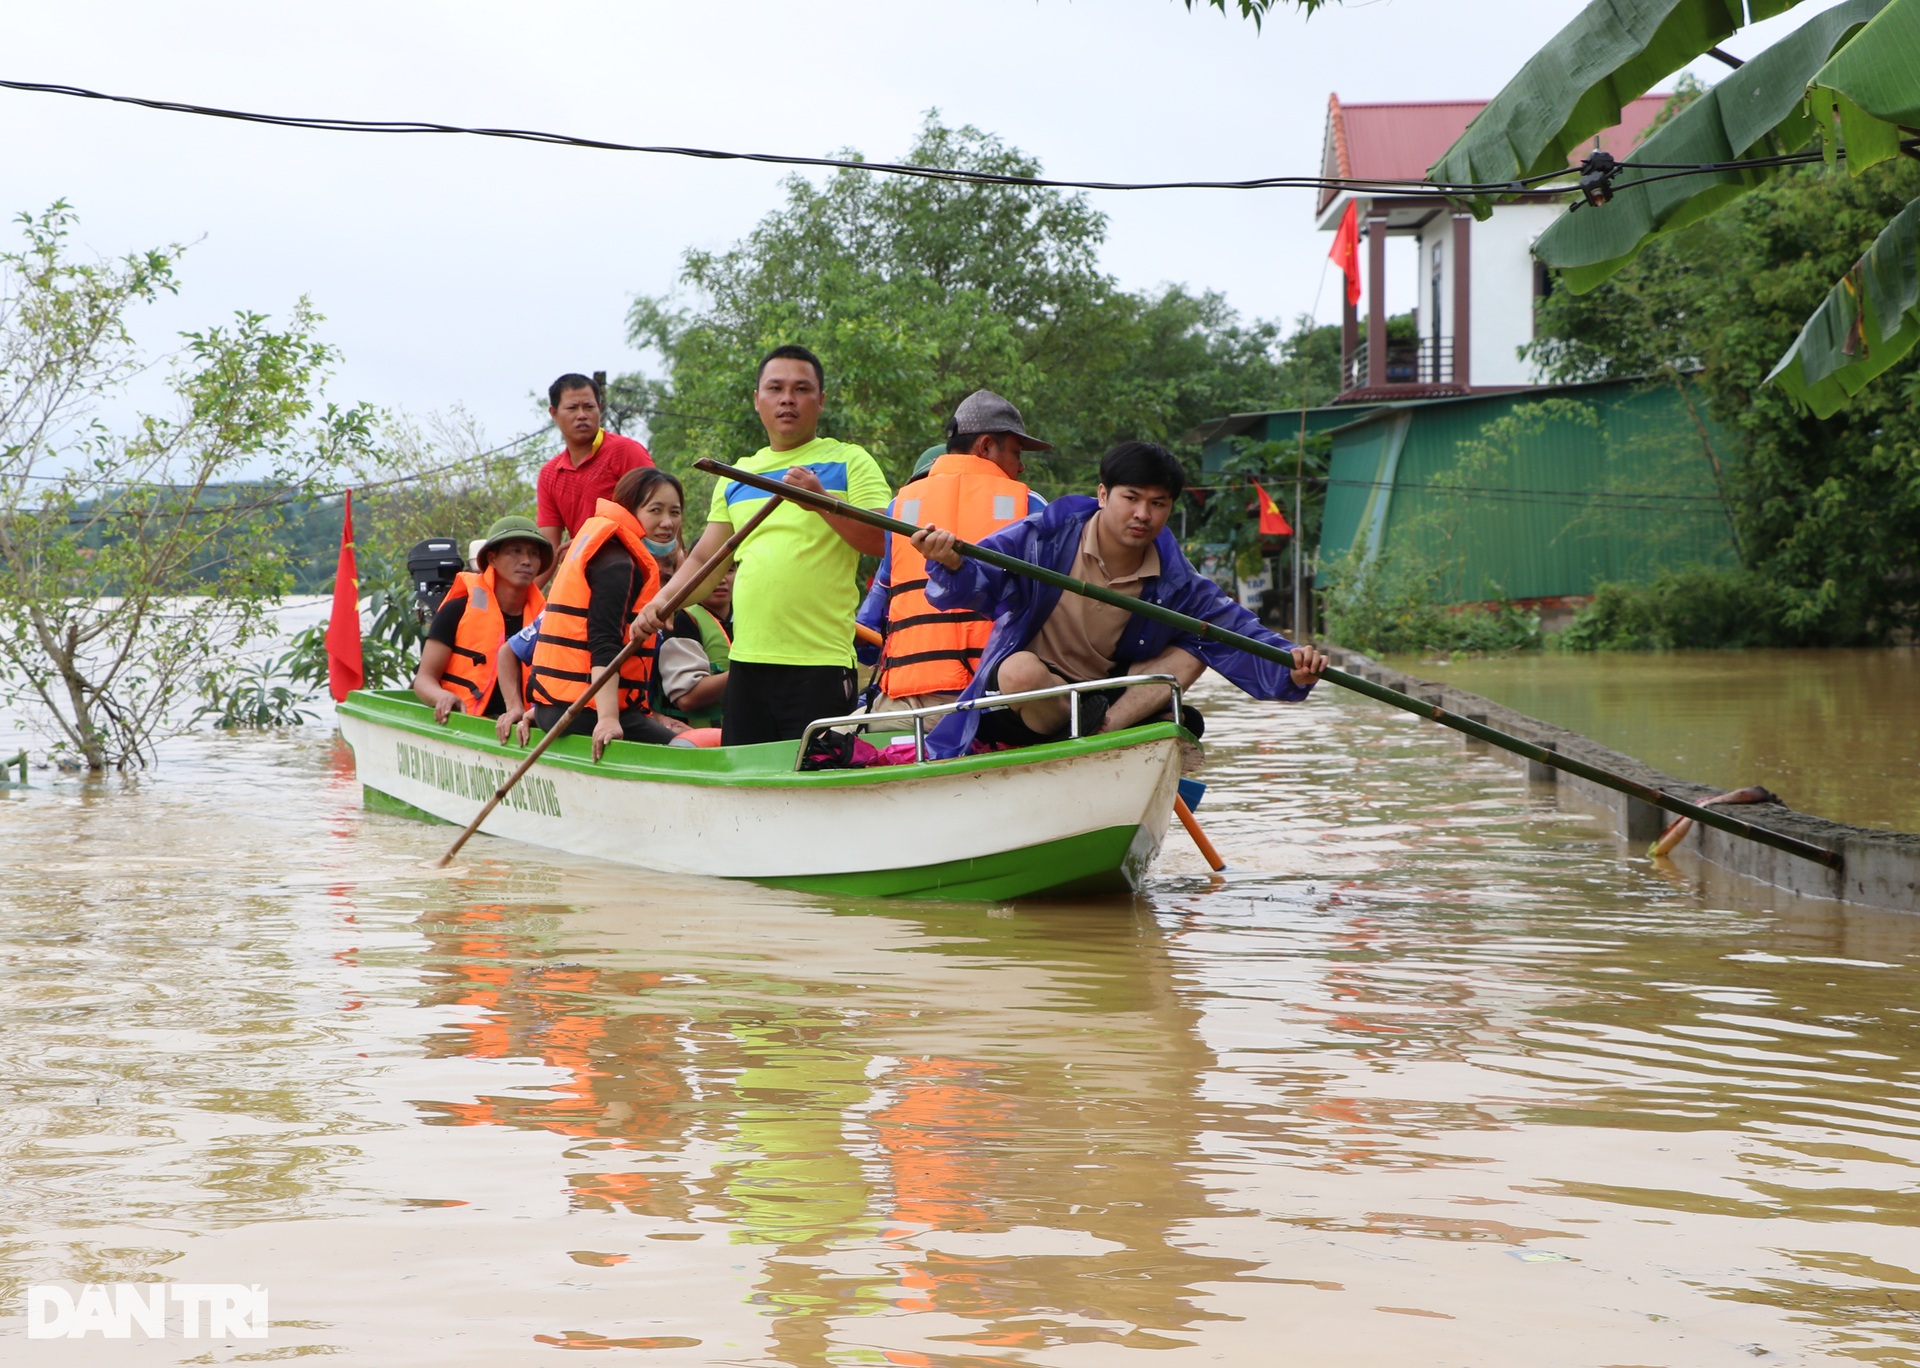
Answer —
(466, 272)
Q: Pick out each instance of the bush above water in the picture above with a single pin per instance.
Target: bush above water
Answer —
(1690, 610)
(1387, 606)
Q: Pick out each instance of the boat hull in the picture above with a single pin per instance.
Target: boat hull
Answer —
(1069, 817)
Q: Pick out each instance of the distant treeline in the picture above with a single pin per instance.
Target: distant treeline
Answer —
(306, 528)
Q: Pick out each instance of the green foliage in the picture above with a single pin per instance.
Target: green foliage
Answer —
(1868, 322)
(1257, 10)
(1759, 110)
(1575, 86)
(1845, 79)
(1309, 373)
(251, 697)
(1229, 506)
(1874, 74)
(390, 645)
(438, 477)
(1389, 604)
(917, 292)
(1227, 512)
(1827, 509)
(1691, 610)
(134, 564)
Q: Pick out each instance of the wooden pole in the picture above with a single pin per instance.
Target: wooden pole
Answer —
(612, 668)
(1705, 816)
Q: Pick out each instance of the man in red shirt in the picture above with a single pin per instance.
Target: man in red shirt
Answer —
(587, 468)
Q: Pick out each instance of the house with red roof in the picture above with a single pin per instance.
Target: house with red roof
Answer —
(1477, 282)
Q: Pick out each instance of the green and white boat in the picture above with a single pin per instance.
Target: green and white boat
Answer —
(1085, 814)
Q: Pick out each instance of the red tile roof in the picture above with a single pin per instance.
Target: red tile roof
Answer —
(1400, 141)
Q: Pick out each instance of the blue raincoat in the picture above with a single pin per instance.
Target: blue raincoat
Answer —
(1019, 606)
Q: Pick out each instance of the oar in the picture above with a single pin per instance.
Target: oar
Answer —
(1192, 824)
(1705, 816)
(612, 667)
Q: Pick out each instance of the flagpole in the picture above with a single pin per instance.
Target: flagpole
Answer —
(1300, 625)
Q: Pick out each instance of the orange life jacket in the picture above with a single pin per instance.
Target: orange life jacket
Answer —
(477, 641)
(929, 650)
(562, 661)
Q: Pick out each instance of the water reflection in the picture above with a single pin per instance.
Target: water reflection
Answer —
(1431, 1075)
(1831, 731)
(887, 1150)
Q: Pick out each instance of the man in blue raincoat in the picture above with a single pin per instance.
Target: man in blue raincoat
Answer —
(1043, 637)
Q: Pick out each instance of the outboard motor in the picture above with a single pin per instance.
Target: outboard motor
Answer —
(431, 565)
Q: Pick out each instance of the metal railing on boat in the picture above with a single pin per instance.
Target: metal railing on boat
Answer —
(986, 703)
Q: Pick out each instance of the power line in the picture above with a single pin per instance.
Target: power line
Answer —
(1417, 189)
(1625, 501)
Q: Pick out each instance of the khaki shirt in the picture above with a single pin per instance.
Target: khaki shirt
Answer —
(1079, 637)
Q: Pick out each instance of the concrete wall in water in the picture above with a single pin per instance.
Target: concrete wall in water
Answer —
(1877, 869)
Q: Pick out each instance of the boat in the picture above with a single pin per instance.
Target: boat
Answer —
(1080, 815)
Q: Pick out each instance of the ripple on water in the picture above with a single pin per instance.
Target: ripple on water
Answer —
(1431, 1075)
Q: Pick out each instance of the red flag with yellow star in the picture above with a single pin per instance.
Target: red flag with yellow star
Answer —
(1273, 523)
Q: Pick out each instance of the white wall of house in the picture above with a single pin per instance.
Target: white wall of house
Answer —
(1502, 285)
(1502, 288)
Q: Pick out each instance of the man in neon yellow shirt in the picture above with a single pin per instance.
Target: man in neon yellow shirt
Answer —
(794, 599)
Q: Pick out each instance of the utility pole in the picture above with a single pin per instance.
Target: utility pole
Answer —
(1300, 625)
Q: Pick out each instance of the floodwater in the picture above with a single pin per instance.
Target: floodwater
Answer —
(1437, 1075)
(1836, 733)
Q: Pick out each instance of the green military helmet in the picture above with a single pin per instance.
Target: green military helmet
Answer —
(927, 458)
(515, 527)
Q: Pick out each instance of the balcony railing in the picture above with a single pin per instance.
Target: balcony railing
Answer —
(1428, 361)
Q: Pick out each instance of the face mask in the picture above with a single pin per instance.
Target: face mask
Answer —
(657, 549)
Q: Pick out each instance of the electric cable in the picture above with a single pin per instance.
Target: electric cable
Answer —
(1416, 189)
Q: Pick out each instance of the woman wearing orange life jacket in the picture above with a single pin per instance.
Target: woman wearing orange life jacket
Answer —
(458, 663)
(971, 491)
(605, 578)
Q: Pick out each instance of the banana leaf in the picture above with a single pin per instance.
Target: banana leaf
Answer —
(1866, 323)
(1575, 86)
(1879, 72)
(1759, 110)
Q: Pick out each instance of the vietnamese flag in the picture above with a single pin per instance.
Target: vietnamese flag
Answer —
(345, 671)
(1273, 523)
(1346, 250)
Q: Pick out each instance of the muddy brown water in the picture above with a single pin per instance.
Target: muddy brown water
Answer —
(1436, 1075)
(1835, 733)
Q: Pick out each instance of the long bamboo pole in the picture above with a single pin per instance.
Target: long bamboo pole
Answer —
(674, 602)
(1705, 816)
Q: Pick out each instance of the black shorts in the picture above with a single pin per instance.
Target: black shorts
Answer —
(1003, 726)
(775, 702)
(635, 725)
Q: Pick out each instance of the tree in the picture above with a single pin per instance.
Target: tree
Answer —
(917, 292)
(1257, 10)
(1308, 376)
(1842, 82)
(1827, 509)
(433, 477)
(137, 565)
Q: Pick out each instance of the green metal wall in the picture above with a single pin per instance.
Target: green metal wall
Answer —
(1512, 497)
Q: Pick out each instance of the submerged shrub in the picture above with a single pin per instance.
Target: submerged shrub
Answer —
(1688, 610)
(1388, 604)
